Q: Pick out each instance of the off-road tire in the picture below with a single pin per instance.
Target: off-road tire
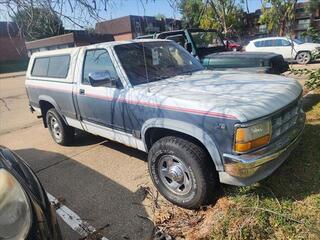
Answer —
(66, 133)
(201, 168)
(303, 57)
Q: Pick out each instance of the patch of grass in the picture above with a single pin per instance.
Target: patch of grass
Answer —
(284, 206)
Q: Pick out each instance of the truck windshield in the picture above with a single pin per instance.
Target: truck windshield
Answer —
(152, 61)
(205, 39)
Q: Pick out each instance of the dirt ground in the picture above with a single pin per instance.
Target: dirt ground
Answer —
(102, 181)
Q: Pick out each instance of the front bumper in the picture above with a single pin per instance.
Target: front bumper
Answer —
(245, 169)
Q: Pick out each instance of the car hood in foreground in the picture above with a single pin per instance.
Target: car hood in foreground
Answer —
(246, 96)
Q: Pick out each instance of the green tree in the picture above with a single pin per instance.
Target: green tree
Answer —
(224, 15)
(37, 23)
(279, 17)
(191, 11)
(312, 33)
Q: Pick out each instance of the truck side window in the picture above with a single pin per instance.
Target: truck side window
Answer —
(59, 66)
(97, 60)
(53, 67)
(40, 67)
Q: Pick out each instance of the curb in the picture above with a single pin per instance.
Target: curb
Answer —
(12, 75)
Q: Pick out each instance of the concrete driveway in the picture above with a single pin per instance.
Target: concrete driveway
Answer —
(98, 179)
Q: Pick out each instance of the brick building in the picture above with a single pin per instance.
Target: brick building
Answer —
(74, 38)
(12, 46)
(130, 27)
(303, 20)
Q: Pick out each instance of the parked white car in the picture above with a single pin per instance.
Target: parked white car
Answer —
(292, 50)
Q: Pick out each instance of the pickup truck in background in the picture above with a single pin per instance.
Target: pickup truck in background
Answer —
(199, 127)
(210, 48)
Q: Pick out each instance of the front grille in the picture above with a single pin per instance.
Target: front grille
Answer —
(285, 120)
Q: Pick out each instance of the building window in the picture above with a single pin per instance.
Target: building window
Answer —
(303, 23)
(300, 10)
(263, 28)
(137, 28)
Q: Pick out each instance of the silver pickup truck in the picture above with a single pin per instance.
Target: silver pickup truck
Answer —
(199, 127)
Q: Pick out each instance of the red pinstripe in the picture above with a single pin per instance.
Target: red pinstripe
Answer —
(147, 104)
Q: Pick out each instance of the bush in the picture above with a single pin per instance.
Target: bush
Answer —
(313, 80)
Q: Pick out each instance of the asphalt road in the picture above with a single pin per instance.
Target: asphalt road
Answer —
(98, 179)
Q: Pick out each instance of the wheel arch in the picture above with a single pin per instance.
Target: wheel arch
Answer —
(45, 103)
(300, 51)
(154, 129)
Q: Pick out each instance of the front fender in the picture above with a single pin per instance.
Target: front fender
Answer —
(188, 129)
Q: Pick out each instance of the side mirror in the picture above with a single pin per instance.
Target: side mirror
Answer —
(188, 46)
(97, 79)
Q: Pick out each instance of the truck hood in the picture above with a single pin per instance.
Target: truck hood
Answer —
(245, 96)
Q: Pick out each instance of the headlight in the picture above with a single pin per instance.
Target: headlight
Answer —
(15, 214)
(252, 137)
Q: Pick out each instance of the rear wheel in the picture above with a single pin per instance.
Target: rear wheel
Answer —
(60, 132)
(182, 172)
(303, 57)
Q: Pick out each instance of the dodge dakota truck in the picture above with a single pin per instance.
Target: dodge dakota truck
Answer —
(199, 127)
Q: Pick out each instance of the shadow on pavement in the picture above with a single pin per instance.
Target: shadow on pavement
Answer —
(93, 196)
(132, 152)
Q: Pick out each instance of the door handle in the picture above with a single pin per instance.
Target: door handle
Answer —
(81, 91)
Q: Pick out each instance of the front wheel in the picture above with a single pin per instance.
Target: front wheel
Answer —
(182, 172)
(303, 57)
(60, 132)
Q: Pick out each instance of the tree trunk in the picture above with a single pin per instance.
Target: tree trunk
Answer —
(282, 29)
(225, 29)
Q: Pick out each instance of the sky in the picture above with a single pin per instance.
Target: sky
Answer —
(153, 7)
(119, 8)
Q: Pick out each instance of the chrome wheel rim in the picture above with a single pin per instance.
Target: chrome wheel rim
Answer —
(55, 128)
(175, 175)
(303, 58)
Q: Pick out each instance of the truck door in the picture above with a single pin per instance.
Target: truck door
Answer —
(98, 105)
